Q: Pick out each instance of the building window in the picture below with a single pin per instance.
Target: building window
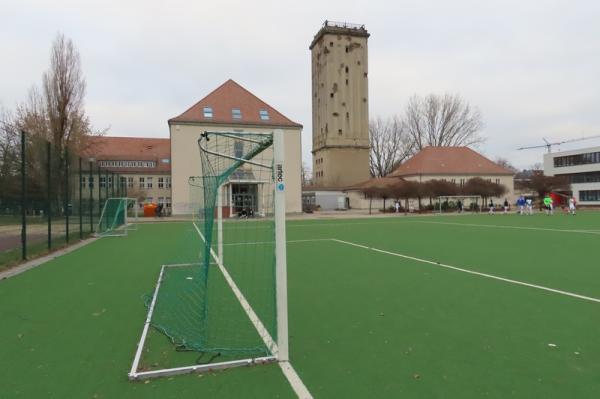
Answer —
(149, 200)
(238, 149)
(589, 195)
(462, 182)
(168, 202)
(161, 201)
(578, 159)
(236, 113)
(149, 182)
(110, 182)
(102, 181)
(141, 183)
(497, 181)
(168, 182)
(264, 115)
(91, 182)
(589, 177)
(208, 112)
(130, 182)
(161, 182)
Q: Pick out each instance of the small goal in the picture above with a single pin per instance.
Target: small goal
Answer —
(118, 217)
(459, 203)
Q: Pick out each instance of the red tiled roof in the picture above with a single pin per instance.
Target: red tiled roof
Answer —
(228, 96)
(104, 148)
(450, 161)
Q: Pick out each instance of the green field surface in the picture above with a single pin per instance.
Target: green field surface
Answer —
(420, 307)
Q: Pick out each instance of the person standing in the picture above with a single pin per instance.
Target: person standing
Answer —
(397, 206)
(491, 206)
(506, 206)
(529, 204)
(572, 205)
(548, 205)
(459, 205)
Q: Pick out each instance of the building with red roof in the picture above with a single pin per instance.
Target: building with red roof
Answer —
(231, 108)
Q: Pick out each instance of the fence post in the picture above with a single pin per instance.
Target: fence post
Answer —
(67, 195)
(99, 192)
(80, 203)
(91, 199)
(49, 192)
(23, 199)
(112, 186)
(106, 183)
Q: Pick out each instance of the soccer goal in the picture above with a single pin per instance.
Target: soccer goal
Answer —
(118, 217)
(224, 297)
(460, 203)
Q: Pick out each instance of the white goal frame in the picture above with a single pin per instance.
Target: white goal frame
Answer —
(478, 198)
(279, 349)
(129, 223)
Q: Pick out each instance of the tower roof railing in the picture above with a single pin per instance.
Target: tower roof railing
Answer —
(337, 24)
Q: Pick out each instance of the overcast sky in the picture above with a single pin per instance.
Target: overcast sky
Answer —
(531, 67)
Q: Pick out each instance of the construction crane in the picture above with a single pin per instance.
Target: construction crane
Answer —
(549, 145)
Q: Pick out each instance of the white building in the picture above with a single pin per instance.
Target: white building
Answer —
(582, 167)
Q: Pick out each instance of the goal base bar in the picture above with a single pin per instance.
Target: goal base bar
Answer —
(200, 368)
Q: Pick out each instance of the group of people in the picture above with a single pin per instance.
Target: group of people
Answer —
(525, 206)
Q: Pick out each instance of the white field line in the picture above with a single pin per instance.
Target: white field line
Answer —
(273, 242)
(498, 226)
(286, 367)
(262, 331)
(507, 280)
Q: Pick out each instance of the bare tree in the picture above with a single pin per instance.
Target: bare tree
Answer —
(442, 121)
(505, 163)
(390, 145)
(57, 110)
(305, 175)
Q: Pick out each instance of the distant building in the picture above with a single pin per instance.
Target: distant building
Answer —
(144, 165)
(340, 105)
(453, 164)
(582, 167)
(231, 108)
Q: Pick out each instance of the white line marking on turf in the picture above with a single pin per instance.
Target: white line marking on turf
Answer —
(507, 280)
(499, 226)
(294, 380)
(289, 372)
(273, 242)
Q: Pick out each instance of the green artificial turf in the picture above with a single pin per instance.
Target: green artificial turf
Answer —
(362, 323)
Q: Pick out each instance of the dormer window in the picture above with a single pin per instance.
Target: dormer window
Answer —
(236, 113)
(264, 115)
(208, 112)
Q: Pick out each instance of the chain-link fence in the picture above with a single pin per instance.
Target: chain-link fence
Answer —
(49, 197)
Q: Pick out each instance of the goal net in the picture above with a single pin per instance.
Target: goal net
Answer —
(118, 216)
(224, 297)
(459, 203)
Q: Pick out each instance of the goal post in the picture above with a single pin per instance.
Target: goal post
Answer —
(118, 216)
(224, 295)
(459, 203)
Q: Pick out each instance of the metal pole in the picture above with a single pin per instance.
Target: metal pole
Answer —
(91, 187)
(49, 193)
(67, 194)
(112, 186)
(80, 204)
(99, 193)
(23, 199)
(106, 183)
(280, 247)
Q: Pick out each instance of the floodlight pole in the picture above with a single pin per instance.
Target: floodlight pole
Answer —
(280, 246)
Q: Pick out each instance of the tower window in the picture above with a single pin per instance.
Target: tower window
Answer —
(346, 82)
(347, 69)
(340, 132)
(236, 113)
(264, 115)
(208, 112)
(331, 95)
(330, 44)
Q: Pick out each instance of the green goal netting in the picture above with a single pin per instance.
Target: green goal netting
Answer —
(218, 296)
(118, 216)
